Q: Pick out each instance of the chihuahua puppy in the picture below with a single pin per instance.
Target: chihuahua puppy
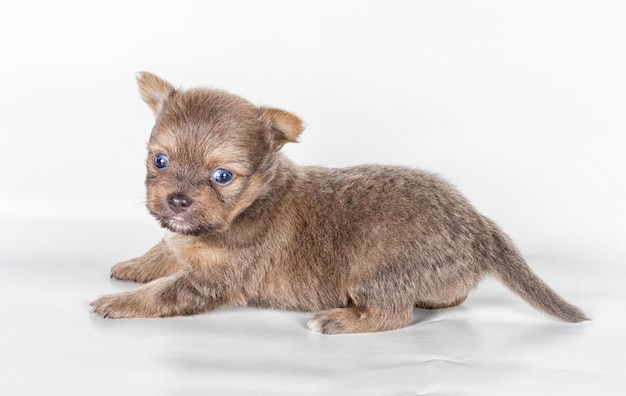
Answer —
(360, 246)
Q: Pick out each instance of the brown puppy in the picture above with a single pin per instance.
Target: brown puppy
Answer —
(361, 246)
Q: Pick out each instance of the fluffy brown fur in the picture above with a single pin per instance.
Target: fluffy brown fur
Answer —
(360, 246)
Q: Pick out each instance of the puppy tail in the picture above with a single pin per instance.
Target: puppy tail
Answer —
(508, 266)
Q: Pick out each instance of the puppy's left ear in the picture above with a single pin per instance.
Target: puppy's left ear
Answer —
(283, 127)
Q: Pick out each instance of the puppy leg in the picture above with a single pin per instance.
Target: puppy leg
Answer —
(441, 304)
(360, 320)
(184, 293)
(156, 263)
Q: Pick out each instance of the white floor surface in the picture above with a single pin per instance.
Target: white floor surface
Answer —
(494, 344)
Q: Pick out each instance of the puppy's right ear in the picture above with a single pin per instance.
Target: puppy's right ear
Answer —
(154, 90)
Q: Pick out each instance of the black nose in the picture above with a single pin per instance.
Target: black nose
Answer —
(179, 202)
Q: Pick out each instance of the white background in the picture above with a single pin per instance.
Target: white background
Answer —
(520, 104)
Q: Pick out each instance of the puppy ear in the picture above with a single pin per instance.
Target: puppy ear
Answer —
(283, 126)
(154, 90)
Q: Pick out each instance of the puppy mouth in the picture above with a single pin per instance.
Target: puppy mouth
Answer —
(178, 223)
(182, 227)
(182, 222)
(175, 222)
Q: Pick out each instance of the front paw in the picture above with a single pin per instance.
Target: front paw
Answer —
(131, 270)
(122, 305)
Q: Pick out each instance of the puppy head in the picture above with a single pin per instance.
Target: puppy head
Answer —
(210, 156)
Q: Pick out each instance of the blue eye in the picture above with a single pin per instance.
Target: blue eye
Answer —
(222, 176)
(161, 161)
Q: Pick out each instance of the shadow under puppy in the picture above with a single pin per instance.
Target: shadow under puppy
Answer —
(360, 246)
